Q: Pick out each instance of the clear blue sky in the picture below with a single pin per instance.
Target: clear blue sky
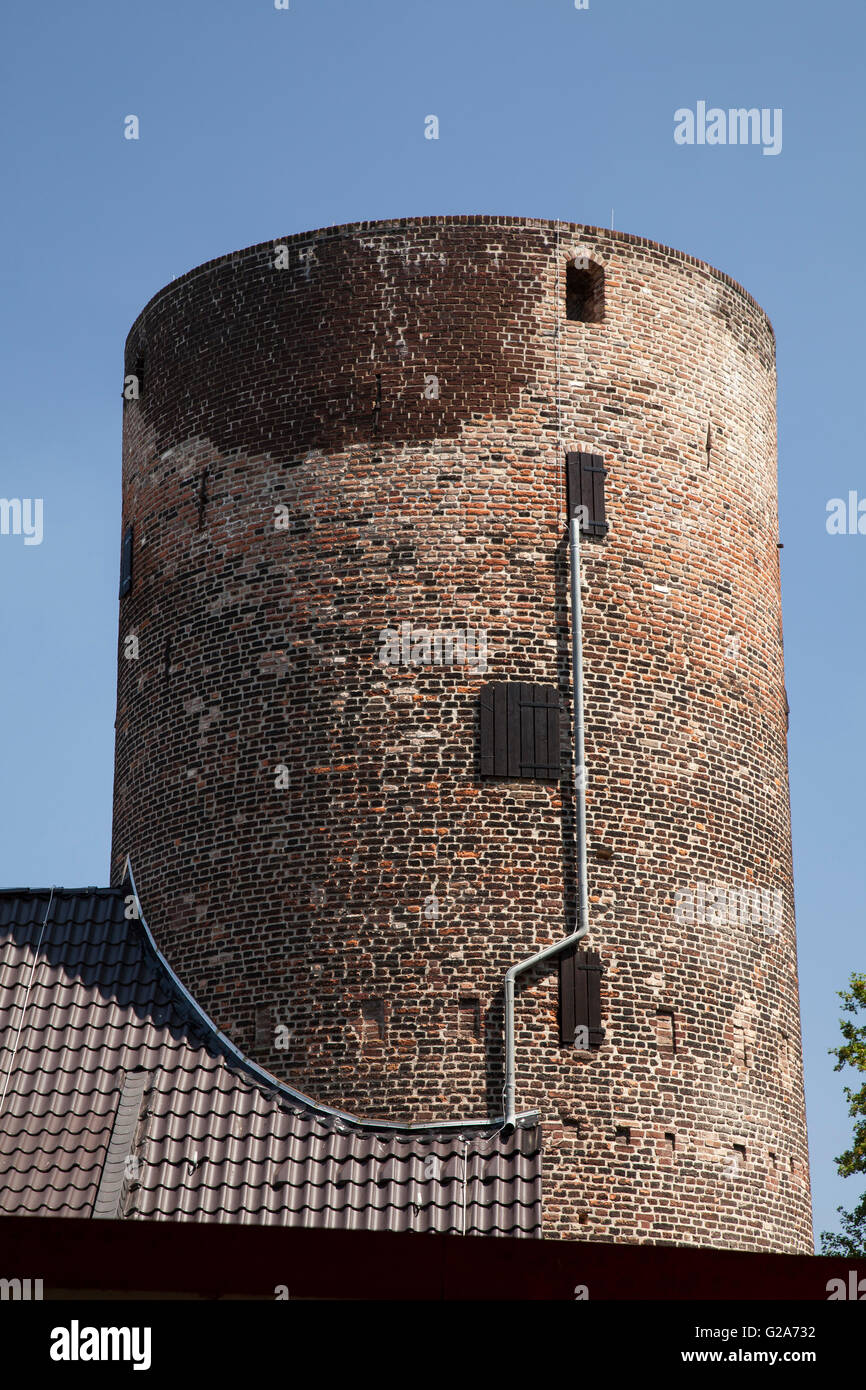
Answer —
(257, 123)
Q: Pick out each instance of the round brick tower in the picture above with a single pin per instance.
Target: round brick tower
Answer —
(348, 439)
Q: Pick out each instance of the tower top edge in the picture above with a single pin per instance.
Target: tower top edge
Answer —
(397, 224)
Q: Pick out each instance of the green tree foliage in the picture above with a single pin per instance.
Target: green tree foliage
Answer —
(852, 1053)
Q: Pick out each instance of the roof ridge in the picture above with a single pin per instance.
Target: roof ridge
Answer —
(58, 891)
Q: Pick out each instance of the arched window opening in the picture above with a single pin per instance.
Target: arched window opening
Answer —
(584, 291)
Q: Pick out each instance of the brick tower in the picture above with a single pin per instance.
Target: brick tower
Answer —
(345, 517)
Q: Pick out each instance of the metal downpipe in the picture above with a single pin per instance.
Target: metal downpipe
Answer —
(581, 926)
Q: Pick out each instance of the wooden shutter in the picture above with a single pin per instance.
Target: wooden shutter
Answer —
(586, 475)
(126, 562)
(580, 997)
(519, 730)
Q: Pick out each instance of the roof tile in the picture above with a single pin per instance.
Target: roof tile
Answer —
(121, 1100)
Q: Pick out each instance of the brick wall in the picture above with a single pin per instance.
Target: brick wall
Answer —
(374, 434)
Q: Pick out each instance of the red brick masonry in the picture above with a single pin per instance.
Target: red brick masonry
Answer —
(373, 434)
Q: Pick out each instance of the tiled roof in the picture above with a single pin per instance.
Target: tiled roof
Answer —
(119, 1099)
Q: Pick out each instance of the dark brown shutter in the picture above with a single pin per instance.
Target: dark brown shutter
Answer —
(538, 707)
(580, 996)
(519, 730)
(586, 474)
(126, 562)
(493, 729)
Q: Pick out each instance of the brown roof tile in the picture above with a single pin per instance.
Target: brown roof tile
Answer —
(118, 1098)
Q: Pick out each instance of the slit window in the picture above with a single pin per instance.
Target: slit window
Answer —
(126, 562)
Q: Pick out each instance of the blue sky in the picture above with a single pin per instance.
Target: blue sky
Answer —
(257, 123)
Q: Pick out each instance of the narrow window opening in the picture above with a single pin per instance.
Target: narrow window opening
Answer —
(671, 1144)
(584, 292)
(622, 1136)
(126, 562)
(469, 1017)
(741, 1047)
(202, 498)
(377, 406)
(666, 1032)
(739, 1157)
(372, 1021)
(264, 1026)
